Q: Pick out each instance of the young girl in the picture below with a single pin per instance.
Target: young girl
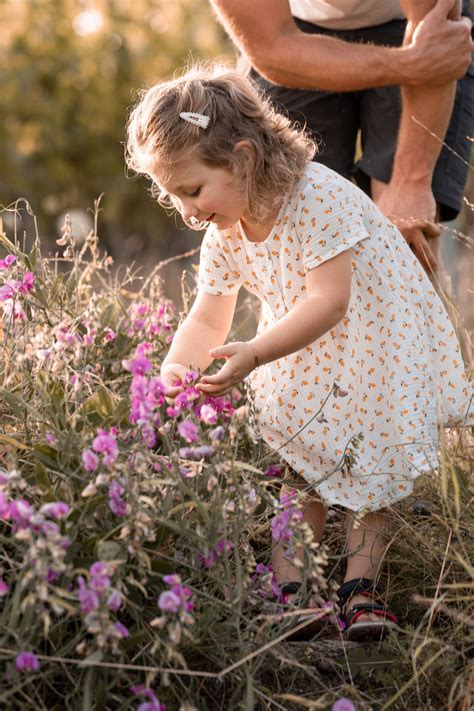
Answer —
(345, 307)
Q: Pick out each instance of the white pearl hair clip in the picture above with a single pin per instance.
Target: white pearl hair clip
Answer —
(197, 119)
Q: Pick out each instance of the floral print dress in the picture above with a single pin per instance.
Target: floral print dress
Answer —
(395, 353)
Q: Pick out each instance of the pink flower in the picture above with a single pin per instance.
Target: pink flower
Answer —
(208, 415)
(139, 365)
(114, 601)
(153, 704)
(107, 444)
(188, 430)
(27, 283)
(27, 661)
(4, 505)
(172, 579)
(55, 509)
(100, 580)
(343, 705)
(7, 262)
(3, 588)
(88, 598)
(169, 602)
(272, 470)
(90, 460)
(7, 291)
(121, 629)
(20, 511)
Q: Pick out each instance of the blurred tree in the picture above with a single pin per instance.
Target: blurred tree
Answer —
(69, 71)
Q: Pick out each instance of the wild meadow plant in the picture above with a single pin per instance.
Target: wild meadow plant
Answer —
(135, 531)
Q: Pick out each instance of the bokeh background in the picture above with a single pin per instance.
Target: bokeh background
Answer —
(69, 70)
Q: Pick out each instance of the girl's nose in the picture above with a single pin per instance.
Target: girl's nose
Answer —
(188, 209)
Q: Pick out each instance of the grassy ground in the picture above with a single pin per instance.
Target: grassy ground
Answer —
(150, 507)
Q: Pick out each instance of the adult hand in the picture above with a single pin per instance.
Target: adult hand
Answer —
(440, 45)
(172, 374)
(412, 209)
(240, 361)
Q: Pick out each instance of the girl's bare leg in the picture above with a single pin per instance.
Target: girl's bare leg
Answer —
(366, 546)
(314, 513)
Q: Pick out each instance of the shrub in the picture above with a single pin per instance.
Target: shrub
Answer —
(135, 532)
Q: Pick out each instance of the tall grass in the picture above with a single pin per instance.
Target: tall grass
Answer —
(135, 537)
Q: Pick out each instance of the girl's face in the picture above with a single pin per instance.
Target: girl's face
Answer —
(204, 193)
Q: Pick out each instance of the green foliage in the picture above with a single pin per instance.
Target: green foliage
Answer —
(65, 375)
(64, 100)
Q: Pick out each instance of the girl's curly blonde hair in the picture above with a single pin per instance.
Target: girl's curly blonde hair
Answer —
(157, 137)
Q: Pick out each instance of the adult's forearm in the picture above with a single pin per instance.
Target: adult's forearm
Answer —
(266, 33)
(192, 342)
(426, 111)
(300, 327)
(335, 65)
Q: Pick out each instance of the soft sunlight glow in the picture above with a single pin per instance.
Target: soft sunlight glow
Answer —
(88, 22)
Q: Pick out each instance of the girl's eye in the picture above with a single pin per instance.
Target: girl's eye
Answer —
(195, 193)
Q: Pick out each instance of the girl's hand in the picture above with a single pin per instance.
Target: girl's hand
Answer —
(240, 361)
(171, 374)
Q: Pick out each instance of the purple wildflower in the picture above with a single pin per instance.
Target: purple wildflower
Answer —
(343, 705)
(116, 503)
(272, 470)
(4, 506)
(283, 522)
(90, 460)
(6, 263)
(265, 581)
(114, 601)
(122, 630)
(21, 512)
(218, 433)
(196, 453)
(185, 399)
(188, 430)
(208, 415)
(176, 598)
(224, 544)
(88, 598)
(107, 444)
(27, 661)
(169, 602)
(55, 509)
(153, 704)
(139, 365)
(100, 579)
(27, 283)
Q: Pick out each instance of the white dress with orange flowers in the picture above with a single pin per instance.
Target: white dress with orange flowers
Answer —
(395, 352)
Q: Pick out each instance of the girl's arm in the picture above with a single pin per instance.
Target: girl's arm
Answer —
(328, 288)
(206, 326)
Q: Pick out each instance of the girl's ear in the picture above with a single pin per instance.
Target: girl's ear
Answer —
(244, 156)
(244, 145)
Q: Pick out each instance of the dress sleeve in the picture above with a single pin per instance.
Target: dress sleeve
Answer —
(218, 272)
(331, 219)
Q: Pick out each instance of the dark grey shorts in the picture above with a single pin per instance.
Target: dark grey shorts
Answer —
(335, 119)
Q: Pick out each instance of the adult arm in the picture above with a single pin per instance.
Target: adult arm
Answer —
(266, 33)
(328, 289)
(408, 199)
